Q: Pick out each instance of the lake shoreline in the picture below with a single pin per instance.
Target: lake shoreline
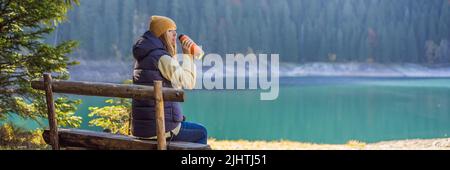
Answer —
(116, 71)
(408, 144)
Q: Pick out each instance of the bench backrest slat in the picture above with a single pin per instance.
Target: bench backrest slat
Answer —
(110, 90)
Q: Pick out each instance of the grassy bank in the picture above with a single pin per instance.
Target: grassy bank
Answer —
(15, 138)
(411, 144)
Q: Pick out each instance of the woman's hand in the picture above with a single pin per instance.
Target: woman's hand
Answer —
(186, 46)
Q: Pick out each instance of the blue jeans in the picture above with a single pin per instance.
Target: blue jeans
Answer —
(191, 132)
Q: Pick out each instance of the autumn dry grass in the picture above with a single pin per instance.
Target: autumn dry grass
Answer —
(412, 144)
(16, 138)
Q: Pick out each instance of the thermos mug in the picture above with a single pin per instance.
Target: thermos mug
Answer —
(195, 50)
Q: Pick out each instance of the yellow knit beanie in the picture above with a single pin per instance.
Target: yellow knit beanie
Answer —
(160, 24)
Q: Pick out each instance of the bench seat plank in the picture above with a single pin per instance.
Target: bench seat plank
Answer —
(108, 141)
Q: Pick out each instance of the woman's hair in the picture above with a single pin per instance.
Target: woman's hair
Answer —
(171, 48)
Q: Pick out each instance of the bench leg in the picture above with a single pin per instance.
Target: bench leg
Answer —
(160, 126)
(51, 112)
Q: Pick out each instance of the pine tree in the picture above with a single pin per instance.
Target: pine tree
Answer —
(24, 56)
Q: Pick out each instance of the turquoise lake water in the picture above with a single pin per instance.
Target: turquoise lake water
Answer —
(321, 110)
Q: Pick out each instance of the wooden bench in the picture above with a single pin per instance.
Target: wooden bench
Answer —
(77, 138)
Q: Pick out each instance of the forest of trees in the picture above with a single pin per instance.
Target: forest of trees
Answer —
(382, 31)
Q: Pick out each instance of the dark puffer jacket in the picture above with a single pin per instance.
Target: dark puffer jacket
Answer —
(147, 51)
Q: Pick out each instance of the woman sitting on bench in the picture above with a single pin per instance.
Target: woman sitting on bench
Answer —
(155, 59)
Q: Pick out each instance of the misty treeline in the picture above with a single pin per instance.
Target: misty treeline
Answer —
(382, 31)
